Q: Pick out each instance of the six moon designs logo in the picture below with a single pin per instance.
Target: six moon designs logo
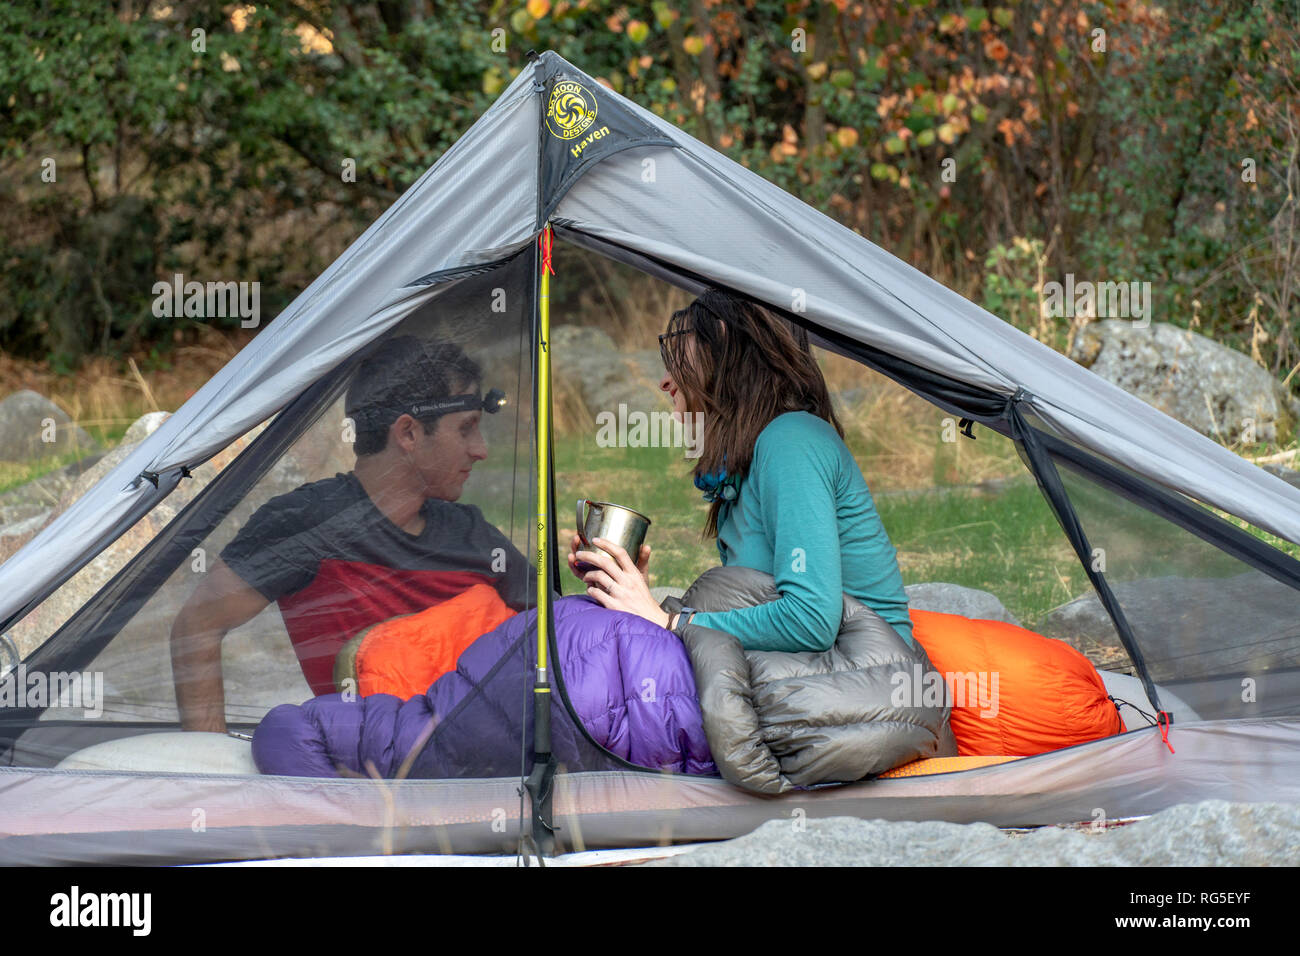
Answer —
(571, 110)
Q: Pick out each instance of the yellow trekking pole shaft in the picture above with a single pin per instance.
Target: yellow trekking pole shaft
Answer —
(543, 461)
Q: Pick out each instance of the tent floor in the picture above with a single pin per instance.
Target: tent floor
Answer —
(64, 816)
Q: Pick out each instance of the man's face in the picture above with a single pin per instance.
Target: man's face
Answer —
(445, 456)
(442, 457)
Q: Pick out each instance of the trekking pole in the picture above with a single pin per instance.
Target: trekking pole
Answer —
(540, 781)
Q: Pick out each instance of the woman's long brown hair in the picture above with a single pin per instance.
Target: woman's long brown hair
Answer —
(748, 366)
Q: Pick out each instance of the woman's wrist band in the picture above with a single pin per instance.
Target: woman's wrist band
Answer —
(683, 618)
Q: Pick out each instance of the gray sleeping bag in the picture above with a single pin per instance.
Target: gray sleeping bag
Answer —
(780, 720)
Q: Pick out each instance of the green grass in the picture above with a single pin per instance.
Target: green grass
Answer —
(107, 434)
(16, 474)
(654, 481)
(1007, 543)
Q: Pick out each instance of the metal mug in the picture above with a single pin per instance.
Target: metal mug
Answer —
(603, 519)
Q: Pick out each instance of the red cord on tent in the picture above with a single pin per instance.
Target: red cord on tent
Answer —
(547, 242)
(1163, 723)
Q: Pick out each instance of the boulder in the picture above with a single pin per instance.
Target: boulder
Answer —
(1130, 689)
(33, 427)
(26, 527)
(955, 599)
(144, 426)
(586, 363)
(1214, 389)
(140, 429)
(1290, 476)
(1210, 833)
(51, 614)
(28, 508)
(1178, 620)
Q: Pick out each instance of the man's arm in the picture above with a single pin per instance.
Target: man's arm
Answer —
(221, 602)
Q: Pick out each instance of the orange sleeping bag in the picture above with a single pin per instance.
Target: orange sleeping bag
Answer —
(404, 656)
(1014, 692)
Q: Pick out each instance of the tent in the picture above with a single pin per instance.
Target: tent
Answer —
(458, 257)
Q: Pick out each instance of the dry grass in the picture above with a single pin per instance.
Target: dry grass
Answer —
(632, 307)
(105, 396)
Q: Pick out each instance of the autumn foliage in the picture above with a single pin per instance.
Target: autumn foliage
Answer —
(990, 144)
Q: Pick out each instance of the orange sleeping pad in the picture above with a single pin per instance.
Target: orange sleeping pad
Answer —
(928, 765)
(1015, 693)
(404, 656)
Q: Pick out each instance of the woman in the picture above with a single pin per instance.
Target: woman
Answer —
(786, 496)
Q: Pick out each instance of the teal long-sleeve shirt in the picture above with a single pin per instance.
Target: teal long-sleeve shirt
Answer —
(804, 515)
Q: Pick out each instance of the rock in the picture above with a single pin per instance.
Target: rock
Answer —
(259, 667)
(1211, 833)
(1175, 617)
(955, 599)
(1130, 690)
(51, 614)
(587, 363)
(1214, 389)
(140, 429)
(144, 426)
(28, 508)
(32, 426)
(27, 526)
(1290, 476)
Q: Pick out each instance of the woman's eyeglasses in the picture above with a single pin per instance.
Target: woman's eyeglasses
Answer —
(663, 343)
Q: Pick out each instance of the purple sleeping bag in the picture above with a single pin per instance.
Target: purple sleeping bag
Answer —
(629, 681)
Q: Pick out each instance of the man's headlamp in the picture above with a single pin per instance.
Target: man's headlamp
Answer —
(491, 403)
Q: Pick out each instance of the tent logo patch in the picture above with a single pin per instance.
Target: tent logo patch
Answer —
(571, 110)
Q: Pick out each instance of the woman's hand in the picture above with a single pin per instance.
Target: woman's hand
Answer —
(642, 564)
(617, 583)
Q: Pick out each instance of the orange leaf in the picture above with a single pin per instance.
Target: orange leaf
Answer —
(996, 50)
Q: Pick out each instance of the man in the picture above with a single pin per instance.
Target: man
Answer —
(382, 541)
